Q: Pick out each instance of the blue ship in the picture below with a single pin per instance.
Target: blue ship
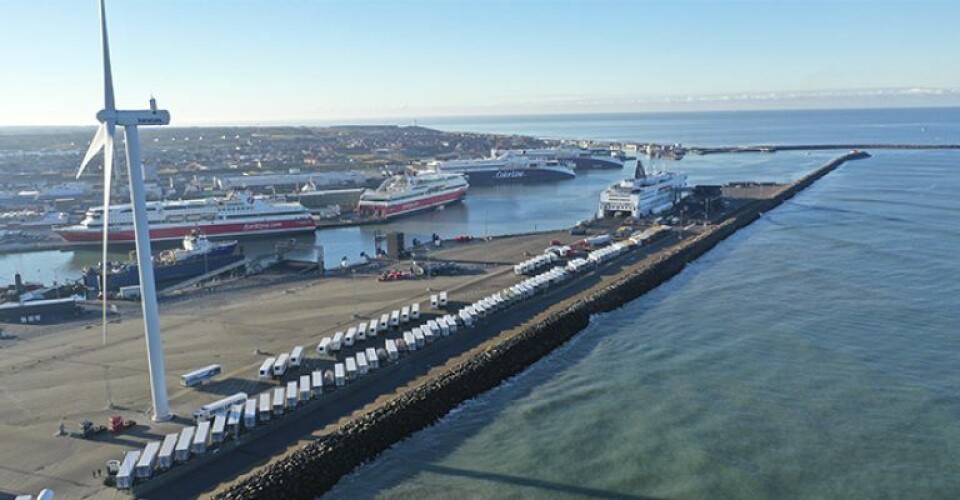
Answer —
(198, 256)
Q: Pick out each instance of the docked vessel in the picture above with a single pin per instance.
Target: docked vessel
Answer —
(198, 256)
(507, 167)
(580, 158)
(643, 195)
(172, 220)
(412, 192)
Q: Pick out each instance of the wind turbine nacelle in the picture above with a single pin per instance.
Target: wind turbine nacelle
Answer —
(143, 117)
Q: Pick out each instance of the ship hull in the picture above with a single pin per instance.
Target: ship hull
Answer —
(389, 210)
(509, 175)
(596, 163)
(179, 271)
(163, 232)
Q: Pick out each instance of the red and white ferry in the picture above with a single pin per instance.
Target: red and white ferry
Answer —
(172, 220)
(412, 192)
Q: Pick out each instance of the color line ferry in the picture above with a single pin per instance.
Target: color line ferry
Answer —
(172, 220)
(507, 168)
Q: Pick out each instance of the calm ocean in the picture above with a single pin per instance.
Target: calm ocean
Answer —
(812, 355)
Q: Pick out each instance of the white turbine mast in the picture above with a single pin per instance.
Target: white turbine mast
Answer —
(109, 117)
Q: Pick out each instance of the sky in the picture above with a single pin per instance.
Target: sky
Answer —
(322, 61)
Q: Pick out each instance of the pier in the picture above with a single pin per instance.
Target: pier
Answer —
(314, 468)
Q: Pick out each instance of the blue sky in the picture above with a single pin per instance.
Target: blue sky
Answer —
(298, 61)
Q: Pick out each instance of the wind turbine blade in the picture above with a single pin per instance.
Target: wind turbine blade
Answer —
(108, 101)
(94, 148)
(107, 185)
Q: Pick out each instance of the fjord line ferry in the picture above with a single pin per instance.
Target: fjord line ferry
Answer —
(172, 220)
(408, 193)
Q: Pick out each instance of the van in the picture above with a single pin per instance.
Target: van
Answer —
(337, 342)
(372, 358)
(410, 340)
(181, 453)
(395, 318)
(373, 328)
(279, 400)
(280, 366)
(296, 356)
(362, 366)
(316, 383)
(165, 456)
(405, 314)
(201, 438)
(124, 478)
(434, 301)
(148, 459)
(266, 368)
(415, 310)
(452, 323)
(351, 366)
(250, 414)
(384, 322)
(324, 346)
(340, 374)
(442, 299)
(292, 394)
(350, 337)
(264, 408)
(218, 430)
(392, 353)
(362, 331)
(306, 393)
(418, 338)
(444, 327)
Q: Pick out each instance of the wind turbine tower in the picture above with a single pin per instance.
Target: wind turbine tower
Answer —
(109, 117)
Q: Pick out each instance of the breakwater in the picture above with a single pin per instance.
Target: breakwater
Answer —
(773, 148)
(316, 467)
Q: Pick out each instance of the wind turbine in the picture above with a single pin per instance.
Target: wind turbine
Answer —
(109, 117)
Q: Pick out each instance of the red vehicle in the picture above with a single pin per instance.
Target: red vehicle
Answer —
(463, 238)
(116, 424)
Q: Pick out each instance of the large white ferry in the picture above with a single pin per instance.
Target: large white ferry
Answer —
(594, 158)
(172, 220)
(643, 195)
(408, 193)
(507, 168)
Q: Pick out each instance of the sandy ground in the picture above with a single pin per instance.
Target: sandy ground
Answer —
(64, 373)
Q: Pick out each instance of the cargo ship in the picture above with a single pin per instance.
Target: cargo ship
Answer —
(580, 158)
(412, 192)
(171, 220)
(198, 256)
(508, 167)
(643, 195)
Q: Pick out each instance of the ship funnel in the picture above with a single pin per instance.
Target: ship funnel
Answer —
(639, 173)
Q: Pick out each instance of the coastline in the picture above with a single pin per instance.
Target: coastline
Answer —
(315, 468)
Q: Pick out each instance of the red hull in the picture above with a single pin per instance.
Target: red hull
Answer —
(178, 232)
(387, 210)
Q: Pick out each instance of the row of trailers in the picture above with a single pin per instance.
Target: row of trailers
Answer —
(398, 318)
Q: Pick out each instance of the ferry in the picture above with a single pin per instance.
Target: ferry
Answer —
(507, 168)
(198, 256)
(581, 158)
(643, 195)
(172, 220)
(412, 192)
